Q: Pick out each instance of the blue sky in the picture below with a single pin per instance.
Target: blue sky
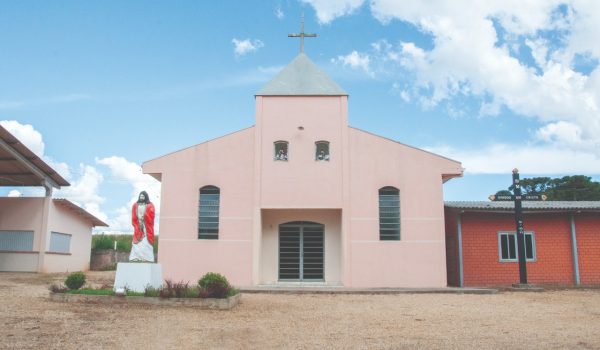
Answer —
(97, 88)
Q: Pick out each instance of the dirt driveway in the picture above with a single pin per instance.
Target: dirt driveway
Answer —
(549, 320)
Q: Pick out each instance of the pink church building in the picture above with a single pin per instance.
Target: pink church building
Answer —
(302, 197)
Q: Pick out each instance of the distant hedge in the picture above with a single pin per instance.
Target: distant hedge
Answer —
(102, 242)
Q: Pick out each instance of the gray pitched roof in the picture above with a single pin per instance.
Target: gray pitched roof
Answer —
(302, 77)
(527, 205)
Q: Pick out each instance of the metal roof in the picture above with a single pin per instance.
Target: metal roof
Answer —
(67, 204)
(302, 77)
(527, 205)
(19, 166)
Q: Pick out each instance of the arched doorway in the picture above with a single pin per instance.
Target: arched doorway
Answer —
(301, 251)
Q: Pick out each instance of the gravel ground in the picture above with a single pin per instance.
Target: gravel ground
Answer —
(562, 319)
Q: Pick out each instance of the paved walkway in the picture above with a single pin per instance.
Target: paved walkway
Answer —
(302, 289)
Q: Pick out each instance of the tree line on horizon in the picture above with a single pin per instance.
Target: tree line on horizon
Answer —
(566, 188)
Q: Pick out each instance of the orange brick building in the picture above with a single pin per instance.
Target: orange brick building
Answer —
(562, 243)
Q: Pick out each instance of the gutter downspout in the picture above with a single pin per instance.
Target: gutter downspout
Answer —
(461, 279)
(574, 251)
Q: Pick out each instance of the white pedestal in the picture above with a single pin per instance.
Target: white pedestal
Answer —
(136, 276)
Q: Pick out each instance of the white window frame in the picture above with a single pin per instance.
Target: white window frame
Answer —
(516, 259)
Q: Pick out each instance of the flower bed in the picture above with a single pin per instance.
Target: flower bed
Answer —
(212, 292)
(202, 303)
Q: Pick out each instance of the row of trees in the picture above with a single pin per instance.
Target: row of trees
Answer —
(567, 188)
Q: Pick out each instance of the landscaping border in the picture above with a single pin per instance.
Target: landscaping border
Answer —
(201, 303)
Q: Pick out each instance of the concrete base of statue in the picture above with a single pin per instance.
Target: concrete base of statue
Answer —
(136, 276)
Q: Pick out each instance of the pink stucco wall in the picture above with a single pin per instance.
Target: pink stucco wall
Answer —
(301, 182)
(68, 222)
(418, 259)
(21, 214)
(258, 193)
(227, 163)
(27, 214)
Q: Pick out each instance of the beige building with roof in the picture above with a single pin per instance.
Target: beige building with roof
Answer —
(39, 234)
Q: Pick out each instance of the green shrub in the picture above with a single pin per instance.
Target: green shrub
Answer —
(100, 242)
(123, 245)
(75, 280)
(124, 242)
(214, 285)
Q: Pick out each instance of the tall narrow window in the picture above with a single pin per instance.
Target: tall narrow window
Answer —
(389, 214)
(508, 244)
(281, 150)
(322, 151)
(208, 213)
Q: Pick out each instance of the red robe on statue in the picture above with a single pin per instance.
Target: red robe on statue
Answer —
(138, 234)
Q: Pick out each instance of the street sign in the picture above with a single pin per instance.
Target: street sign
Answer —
(527, 197)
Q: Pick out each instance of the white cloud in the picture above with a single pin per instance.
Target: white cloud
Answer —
(121, 220)
(11, 104)
(86, 181)
(30, 137)
(242, 47)
(477, 52)
(14, 193)
(537, 159)
(131, 173)
(67, 98)
(84, 191)
(84, 188)
(279, 13)
(328, 10)
(563, 132)
(355, 60)
(33, 140)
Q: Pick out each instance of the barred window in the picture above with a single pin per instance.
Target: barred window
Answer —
(208, 213)
(507, 242)
(389, 214)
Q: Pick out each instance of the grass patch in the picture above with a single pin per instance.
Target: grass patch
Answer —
(90, 291)
(131, 293)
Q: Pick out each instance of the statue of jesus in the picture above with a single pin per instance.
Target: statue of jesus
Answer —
(142, 219)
